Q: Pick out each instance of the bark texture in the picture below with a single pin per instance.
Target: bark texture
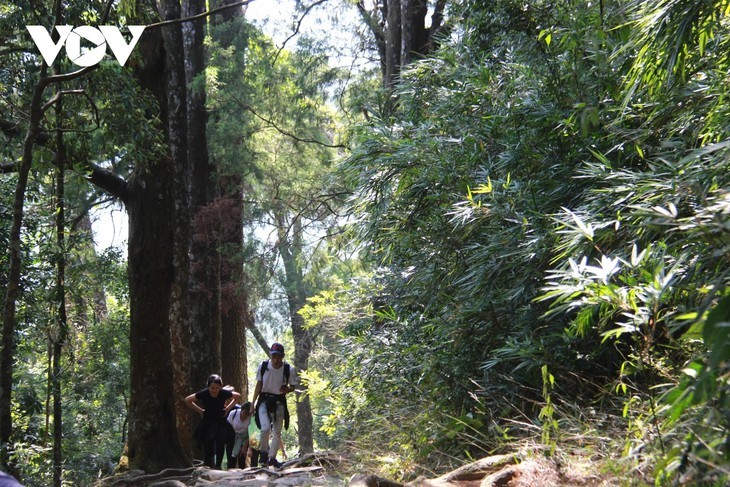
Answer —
(290, 248)
(399, 32)
(158, 275)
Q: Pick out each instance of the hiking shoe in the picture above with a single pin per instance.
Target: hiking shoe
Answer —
(264, 458)
(273, 462)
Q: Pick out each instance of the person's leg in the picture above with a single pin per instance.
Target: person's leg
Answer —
(276, 429)
(238, 443)
(230, 445)
(265, 434)
(220, 448)
(208, 452)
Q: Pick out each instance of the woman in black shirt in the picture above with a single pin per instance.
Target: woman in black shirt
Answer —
(213, 404)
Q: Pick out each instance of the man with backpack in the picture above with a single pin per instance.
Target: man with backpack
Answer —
(274, 380)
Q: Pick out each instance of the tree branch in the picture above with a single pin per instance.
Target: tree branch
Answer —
(11, 50)
(437, 24)
(198, 16)
(296, 30)
(284, 132)
(109, 182)
(59, 95)
(258, 336)
(376, 29)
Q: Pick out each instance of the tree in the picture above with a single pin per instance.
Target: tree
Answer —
(13, 282)
(283, 133)
(61, 335)
(234, 313)
(36, 111)
(398, 29)
(294, 175)
(154, 208)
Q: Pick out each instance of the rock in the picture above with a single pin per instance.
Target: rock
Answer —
(254, 482)
(525, 474)
(467, 473)
(371, 481)
(168, 483)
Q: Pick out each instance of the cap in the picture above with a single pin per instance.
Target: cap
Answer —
(277, 348)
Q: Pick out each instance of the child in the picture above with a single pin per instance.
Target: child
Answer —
(240, 419)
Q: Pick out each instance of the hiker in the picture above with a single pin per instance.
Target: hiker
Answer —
(239, 418)
(274, 379)
(213, 404)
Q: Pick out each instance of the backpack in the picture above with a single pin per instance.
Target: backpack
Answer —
(236, 408)
(265, 367)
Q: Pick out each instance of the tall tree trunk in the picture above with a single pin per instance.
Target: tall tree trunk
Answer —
(13, 288)
(196, 184)
(233, 312)
(393, 44)
(234, 309)
(301, 360)
(205, 313)
(414, 36)
(59, 340)
(400, 34)
(153, 443)
(290, 248)
(158, 237)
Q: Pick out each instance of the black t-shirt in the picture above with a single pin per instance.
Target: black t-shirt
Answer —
(214, 406)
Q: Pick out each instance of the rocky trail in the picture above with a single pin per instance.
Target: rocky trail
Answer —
(321, 469)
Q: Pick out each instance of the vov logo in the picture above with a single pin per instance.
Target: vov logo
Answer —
(71, 36)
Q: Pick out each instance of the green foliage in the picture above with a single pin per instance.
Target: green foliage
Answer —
(276, 105)
(374, 391)
(543, 217)
(95, 363)
(695, 411)
(107, 120)
(545, 212)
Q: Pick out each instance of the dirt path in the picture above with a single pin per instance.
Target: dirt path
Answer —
(321, 470)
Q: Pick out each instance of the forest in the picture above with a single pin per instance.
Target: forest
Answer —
(476, 226)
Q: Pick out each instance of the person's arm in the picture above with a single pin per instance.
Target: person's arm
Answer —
(235, 397)
(191, 403)
(256, 393)
(293, 381)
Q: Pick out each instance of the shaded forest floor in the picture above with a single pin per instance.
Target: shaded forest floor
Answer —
(324, 469)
